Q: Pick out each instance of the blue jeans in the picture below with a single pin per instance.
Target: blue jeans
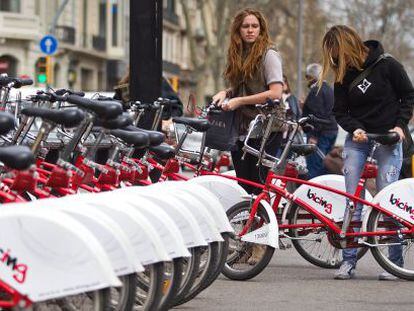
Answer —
(389, 160)
(314, 162)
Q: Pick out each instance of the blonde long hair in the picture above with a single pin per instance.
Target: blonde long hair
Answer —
(240, 69)
(342, 48)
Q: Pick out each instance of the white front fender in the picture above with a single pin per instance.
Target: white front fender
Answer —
(227, 191)
(146, 242)
(47, 254)
(181, 215)
(267, 234)
(204, 195)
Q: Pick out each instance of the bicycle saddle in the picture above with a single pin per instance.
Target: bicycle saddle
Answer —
(137, 139)
(390, 138)
(6, 123)
(104, 109)
(65, 117)
(156, 138)
(113, 124)
(163, 151)
(200, 125)
(17, 157)
(303, 149)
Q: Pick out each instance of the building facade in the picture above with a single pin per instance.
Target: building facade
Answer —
(93, 35)
(177, 63)
(90, 34)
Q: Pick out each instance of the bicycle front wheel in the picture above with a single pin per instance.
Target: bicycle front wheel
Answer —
(173, 272)
(398, 258)
(209, 258)
(223, 253)
(149, 288)
(190, 272)
(90, 301)
(123, 297)
(245, 260)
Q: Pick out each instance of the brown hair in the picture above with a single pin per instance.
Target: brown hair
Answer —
(125, 78)
(286, 82)
(239, 68)
(342, 48)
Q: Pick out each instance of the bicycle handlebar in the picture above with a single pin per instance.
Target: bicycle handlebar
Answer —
(61, 92)
(270, 103)
(14, 82)
(312, 119)
(18, 83)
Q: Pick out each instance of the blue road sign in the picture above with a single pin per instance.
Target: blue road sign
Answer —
(48, 44)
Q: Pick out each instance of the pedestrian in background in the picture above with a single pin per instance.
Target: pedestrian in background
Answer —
(254, 74)
(380, 103)
(291, 101)
(319, 103)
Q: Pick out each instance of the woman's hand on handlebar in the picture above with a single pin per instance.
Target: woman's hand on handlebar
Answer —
(399, 131)
(219, 98)
(312, 140)
(360, 136)
(231, 104)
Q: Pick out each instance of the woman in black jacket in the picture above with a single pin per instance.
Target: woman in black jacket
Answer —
(380, 103)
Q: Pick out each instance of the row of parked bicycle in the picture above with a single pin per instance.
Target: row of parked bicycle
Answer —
(76, 234)
(310, 214)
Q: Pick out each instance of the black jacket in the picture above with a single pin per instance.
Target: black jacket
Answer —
(320, 103)
(382, 101)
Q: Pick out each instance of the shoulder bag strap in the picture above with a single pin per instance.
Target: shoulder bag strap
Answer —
(367, 71)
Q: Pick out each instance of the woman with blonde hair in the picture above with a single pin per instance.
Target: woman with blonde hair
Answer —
(381, 101)
(254, 74)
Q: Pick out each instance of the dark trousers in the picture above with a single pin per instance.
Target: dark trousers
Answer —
(247, 168)
(314, 162)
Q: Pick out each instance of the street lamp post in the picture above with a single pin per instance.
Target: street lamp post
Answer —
(145, 52)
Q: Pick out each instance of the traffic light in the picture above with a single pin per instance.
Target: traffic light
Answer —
(42, 70)
(174, 83)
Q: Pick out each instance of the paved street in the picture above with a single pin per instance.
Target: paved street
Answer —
(291, 283)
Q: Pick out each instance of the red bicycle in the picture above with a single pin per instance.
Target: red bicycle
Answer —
(310, 214)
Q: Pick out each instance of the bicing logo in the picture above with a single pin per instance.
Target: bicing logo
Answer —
(19, 270)
(402, 205)
(320, 200)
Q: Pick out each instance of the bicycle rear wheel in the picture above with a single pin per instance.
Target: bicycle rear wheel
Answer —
(383, 254)
(245, 260)
(315, 246)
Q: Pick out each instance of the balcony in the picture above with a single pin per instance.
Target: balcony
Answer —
(171, 17)
(92, 44)
(19, 26)
(99, 43)
(66, 34)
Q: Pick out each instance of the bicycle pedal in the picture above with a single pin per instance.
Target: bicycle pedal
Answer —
(284, 245)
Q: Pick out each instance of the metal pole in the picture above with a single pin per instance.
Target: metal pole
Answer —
(300, 48)
(56, 17)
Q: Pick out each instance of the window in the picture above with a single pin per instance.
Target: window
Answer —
(8, 64)
(102, 19)
(171, 6)
(10, 6)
